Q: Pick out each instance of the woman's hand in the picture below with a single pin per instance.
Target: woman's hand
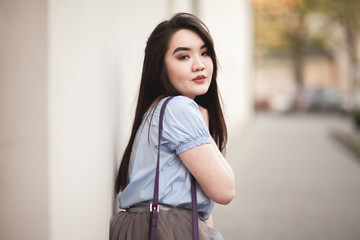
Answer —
(205, 114)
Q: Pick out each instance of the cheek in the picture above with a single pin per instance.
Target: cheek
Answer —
(176, 72)
(209, 66)
(171, 73)
(169, 69)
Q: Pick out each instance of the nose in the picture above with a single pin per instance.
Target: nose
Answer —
(198, 65)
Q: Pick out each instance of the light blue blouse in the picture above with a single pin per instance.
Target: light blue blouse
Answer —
(183, 129)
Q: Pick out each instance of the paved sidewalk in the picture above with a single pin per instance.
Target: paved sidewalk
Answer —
(294, 181)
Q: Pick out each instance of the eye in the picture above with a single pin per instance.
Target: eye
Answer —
(206, 53)
(183, 57)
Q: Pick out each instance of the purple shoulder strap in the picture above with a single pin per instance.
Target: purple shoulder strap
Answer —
(154, 207)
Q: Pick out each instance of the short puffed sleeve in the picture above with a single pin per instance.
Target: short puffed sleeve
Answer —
(184, 127)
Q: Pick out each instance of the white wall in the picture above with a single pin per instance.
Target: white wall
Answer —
(230, 24)
(82, 112)
(23, 121)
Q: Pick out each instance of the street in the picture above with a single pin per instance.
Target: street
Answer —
(294, 181)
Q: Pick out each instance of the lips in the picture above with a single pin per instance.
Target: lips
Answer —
(199, 79)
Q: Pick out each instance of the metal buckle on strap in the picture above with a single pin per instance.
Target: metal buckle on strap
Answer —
(154, 208)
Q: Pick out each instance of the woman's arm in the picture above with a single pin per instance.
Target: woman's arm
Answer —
(209, 167)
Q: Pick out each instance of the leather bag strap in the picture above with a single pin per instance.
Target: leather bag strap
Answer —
(194, 209)
(154, 207)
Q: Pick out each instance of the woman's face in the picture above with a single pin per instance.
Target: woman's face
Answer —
(188, 64)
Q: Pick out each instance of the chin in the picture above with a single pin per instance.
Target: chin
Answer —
(197, 92)
(203, 91)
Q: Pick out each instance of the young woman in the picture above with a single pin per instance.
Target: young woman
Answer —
(179, 61)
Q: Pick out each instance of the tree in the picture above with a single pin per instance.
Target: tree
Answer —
(280, 28)
(286, 20)
(347, 14)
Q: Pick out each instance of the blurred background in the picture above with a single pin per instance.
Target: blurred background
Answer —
(289, 79)
(306, 55)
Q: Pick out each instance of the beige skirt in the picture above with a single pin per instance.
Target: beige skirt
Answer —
(173, 224)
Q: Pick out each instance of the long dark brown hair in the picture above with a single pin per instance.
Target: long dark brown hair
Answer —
(155, 84)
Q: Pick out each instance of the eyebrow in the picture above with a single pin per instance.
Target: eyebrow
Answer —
(186, 49)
